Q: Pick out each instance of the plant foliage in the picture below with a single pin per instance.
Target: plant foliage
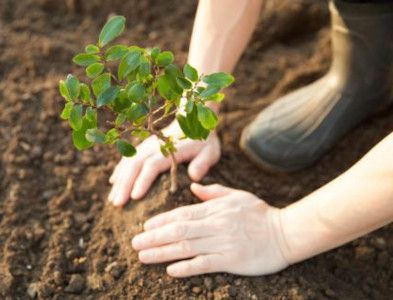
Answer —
(139, 89)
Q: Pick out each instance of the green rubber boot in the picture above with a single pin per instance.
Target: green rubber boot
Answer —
(296, 130)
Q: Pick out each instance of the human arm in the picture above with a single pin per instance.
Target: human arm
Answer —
(355, 203)
(222, 30)
(235, 232)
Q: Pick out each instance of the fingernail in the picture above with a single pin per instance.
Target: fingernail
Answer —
(195, 185)
(116, 199)
(136, 242)
(171, 270)
(135, 195)
(110, 196)
(145, 255)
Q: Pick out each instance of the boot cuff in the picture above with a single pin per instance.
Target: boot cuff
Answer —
(361, 9)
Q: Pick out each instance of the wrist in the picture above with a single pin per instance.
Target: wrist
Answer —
(275, 220)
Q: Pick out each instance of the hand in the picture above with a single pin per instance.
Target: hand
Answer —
(233, 231)
(133, 176)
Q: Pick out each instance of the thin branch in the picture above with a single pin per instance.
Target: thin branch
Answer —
(162, 118)
(161, 108)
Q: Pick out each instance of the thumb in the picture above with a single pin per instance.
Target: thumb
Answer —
(212, 191)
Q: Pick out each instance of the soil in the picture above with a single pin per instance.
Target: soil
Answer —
(59, 237)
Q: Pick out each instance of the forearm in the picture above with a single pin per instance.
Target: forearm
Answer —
(357, 202)
(222, 29)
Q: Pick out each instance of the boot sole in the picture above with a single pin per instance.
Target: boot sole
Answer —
(260, 162)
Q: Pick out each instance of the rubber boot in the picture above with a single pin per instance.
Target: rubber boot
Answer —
(297, 129)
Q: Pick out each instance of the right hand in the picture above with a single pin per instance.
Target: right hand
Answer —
(133, 176)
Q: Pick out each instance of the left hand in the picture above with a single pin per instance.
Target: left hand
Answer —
(232, 231)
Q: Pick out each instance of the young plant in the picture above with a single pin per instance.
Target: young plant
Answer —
(145, 91)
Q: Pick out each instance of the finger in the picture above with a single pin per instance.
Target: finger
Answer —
(173, 232)
(144, 150)
(175, 251)
(201, 264)
(208, 192)
(113, 177)
(183, 213)
(152, 167)
(125, 181)
(206, 158)
(115, 174)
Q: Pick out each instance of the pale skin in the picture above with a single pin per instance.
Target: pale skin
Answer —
(232, 230)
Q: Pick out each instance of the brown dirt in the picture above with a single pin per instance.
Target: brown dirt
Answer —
(58, 236)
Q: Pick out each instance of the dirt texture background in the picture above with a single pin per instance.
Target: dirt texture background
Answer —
(60, 239)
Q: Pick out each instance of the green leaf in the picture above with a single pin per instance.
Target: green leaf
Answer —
(95, 135)
(189, 106)
(166, 88)
(94, 70)
(191, 126)
(65, 114)
(115, 52)
(111, 30)
(92, 49)
(75, 118)
(129, 63)
(136, 111)
(164, 58)
(141, 133)
(206, 116)
(64, 90)
(136, 92)
(79, 136)
(173, 71)
(167, 148)
(73, 86)
(120, 119)
(90, 117)
(121, 102)
(209, 91)
(125, 148)
(184, 83)
(190, 72)
(154, 52)
(216, 97)
(111, 136)
(144, 69)
(101, 83)
(85, 93)
(219, 79)
(85, 59)
(108, 96)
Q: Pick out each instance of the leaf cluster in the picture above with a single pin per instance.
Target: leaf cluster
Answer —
(140, 88)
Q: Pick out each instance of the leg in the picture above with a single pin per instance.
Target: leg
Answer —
(300, 127)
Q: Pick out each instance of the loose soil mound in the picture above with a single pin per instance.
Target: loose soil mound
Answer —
(58, 236)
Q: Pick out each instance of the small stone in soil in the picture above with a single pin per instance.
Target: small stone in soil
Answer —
(76, 284)
(58, 277)
(330, 293)
(380, 243)
(238, 282)
(115, 269)
(32, 290)
(196, 290)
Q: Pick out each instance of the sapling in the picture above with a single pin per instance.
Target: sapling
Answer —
(137, 90)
